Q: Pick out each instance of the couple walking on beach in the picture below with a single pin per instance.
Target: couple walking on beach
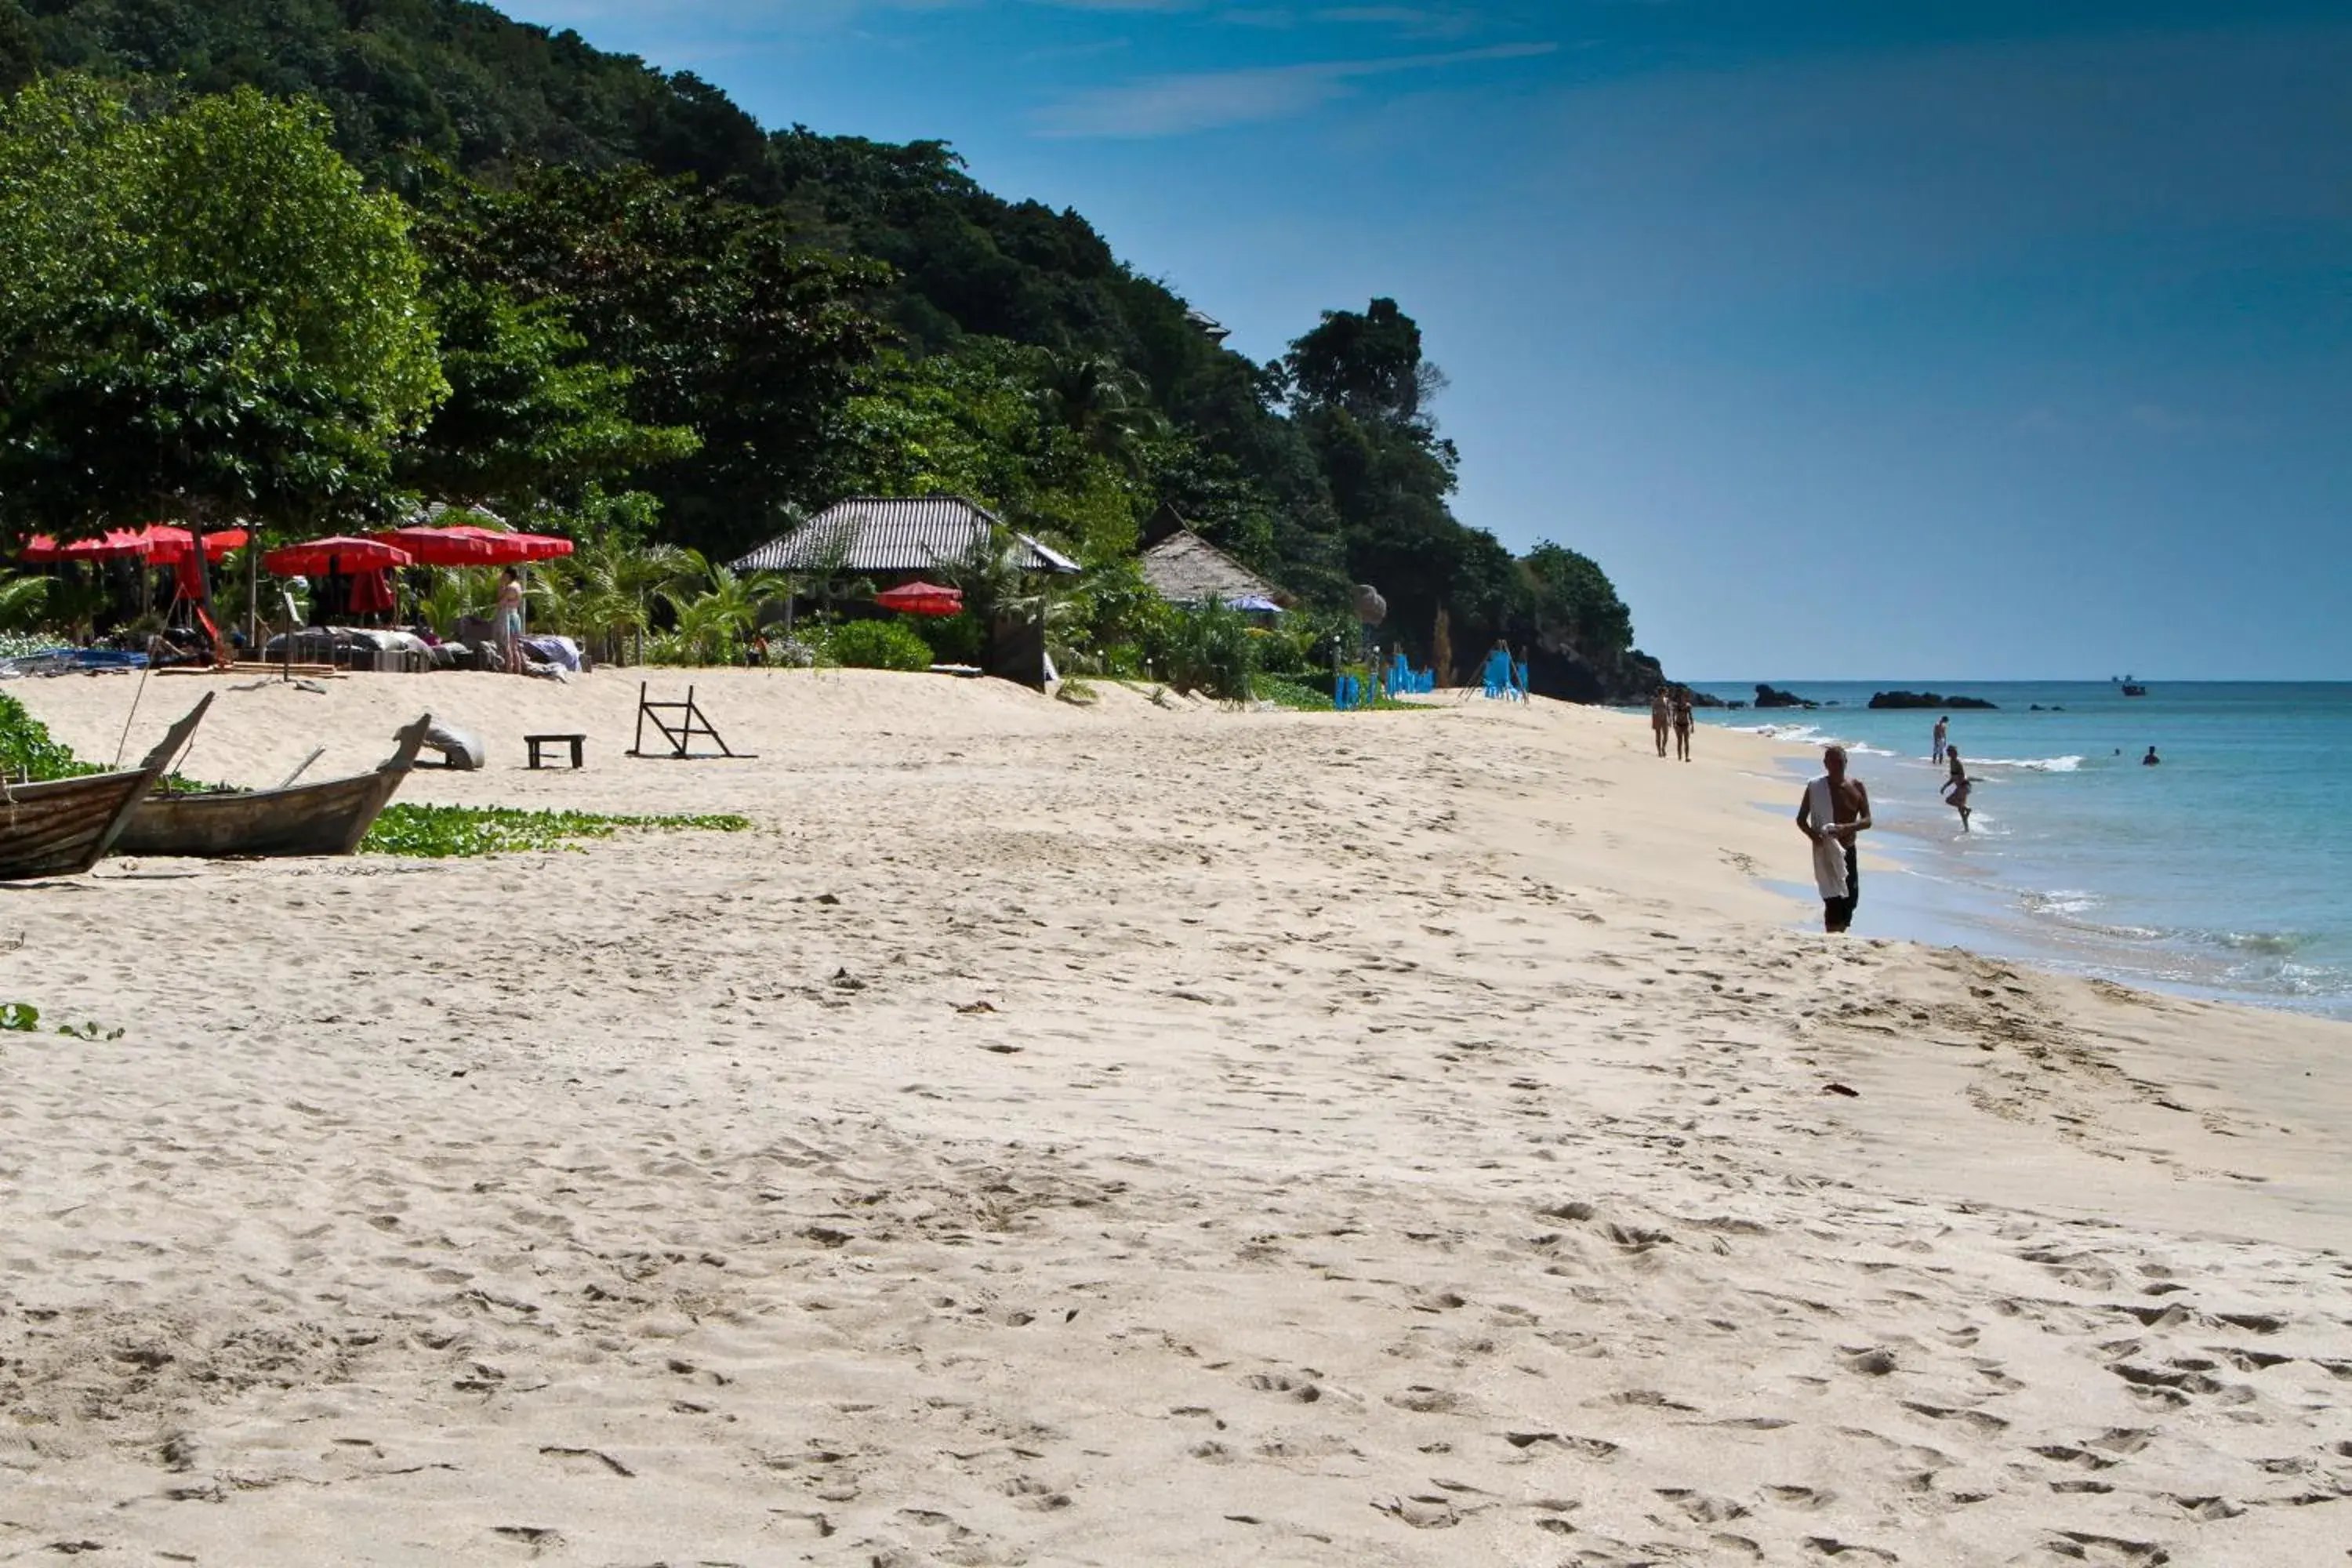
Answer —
(1670, 710)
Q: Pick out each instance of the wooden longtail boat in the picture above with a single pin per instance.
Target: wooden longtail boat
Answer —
(328, 818)
(64, 825)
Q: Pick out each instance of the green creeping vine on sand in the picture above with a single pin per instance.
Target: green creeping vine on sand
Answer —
(431, 832)
(436, 832)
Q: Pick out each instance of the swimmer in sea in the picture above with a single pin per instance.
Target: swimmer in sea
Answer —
(2151, 759)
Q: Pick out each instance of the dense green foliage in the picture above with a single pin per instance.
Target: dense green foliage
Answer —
(202, 313)
(438, 832)
(877, 645)
(643, 298)
(28, 751)
(1210, 649)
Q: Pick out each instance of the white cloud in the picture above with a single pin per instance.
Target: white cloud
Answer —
(1206, 101)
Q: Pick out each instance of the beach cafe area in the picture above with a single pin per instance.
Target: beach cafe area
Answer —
(334, 603)
(165, 596)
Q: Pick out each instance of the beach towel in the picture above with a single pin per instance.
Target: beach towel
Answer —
(1829, 855)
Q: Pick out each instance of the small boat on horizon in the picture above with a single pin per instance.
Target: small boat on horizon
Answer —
(61, 827)
(328, 818)
(2131, 688)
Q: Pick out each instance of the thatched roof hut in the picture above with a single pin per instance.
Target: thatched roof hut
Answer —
(1185, 569)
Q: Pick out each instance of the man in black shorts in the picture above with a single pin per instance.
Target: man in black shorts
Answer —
(1835, 809)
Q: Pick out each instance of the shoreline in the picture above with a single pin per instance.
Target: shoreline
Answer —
(1122, 1135)
(1950, 896)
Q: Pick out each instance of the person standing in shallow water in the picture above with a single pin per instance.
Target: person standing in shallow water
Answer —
(1835, 807)
(1683, 721)
(1943, 731)
(1957, 786)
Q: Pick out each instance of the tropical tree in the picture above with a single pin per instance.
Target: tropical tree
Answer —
(728, 323)
(24, 599)
(606, 591)
(1107, 405)
(714, 609)
(203, 314)
(530, 421)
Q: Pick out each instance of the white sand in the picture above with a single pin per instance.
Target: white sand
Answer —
(1396, 1139)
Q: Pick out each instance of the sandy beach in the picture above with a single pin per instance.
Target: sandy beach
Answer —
(1118, 1135)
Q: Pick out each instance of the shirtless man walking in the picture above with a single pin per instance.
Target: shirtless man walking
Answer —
(1835, 809)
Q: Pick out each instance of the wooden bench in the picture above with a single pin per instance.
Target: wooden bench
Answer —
(538, 743)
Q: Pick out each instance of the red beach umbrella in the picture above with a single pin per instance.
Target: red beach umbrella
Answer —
(160, 542)
(339, 554)
(114, 544)
(542, 546)
(922, 599)
(469, 544)
(441, 546)
(170, 545)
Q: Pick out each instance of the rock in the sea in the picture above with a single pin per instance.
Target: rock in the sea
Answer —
(1774, 696)
(1926, 700)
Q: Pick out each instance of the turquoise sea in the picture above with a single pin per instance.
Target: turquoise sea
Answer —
(2226, 871)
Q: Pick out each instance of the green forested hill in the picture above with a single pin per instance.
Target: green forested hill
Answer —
(725, 272)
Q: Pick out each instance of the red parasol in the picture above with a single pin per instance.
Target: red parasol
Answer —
(167, 545)
(115, 544)
(467, 545)
(159, 542)
(922, 599)
(341, 553)
(442, 546)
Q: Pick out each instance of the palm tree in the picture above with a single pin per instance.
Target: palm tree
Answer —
(1106, 404)
(717, 609)
(457, 592)
(605, 593)
(22, 600)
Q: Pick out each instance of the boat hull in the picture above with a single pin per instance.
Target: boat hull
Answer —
(64, 827)
(328, 818)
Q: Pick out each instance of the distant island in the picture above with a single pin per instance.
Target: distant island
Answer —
(1928, 700)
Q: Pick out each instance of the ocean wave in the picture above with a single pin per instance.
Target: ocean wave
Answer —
(2028, 764)
(2261, 948)
(1810, 735)
(2062, 902)
(2267, 943)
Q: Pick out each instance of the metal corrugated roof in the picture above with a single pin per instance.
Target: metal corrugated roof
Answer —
(894, 533)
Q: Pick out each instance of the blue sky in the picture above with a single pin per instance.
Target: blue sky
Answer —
(1855, 340)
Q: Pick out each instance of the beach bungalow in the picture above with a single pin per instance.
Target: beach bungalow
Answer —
(890, 541)
(895, 539)
(1185, 569)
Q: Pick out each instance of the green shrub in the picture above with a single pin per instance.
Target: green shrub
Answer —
(28, 750)
(1210, 649)
(952, 639)
(877, 645)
